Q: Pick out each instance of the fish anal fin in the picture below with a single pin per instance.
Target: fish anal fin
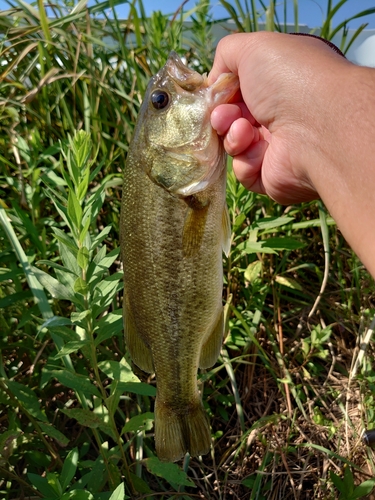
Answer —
(194, 226)
(139, 352)
(211, 348)
(226, 231)
(182, 430)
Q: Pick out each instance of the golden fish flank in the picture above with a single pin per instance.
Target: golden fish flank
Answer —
(174, 225)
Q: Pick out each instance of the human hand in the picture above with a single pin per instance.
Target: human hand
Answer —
(275, 132)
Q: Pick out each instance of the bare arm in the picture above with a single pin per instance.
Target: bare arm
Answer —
(304, 128)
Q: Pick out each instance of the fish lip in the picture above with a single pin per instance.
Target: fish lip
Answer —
(186, 78)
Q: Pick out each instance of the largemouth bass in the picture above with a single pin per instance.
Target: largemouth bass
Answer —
(174, 225)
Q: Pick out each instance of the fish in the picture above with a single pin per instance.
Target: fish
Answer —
(174, 226)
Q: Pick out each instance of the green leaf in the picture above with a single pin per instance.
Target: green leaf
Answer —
(81, 145)
(74, 210)
(56, 321)
(363, 489)
(69, 468)
(75, 381)
(7, 442)
(70, 347)
(86, 224)
(142, 422)
(83, 257)
(83, 185)
(61, 209)
(168, 471)
(106, 287)
(255, 247)
(14, 298)
(55, 288)
(65, 240)
(77, 495)
(35, 286)
(348, 481)
(270, 223)
(239, 221)
(80, 286)
(108, 326)
(137, 388)
(107, 260)
(339, 484)
(81, 318)
(97, 476)
(31, 230)
(52, 432)
(104, 292)
(23, 148)
(101, 236)
(26, 396)
(119, 371)
(113, 400)
(98, 257)
(69, 259)
(119, 493)
(253, 271)
(41, 484)
(85, 417)
(140, 485)
(249, 481)
(284, 243)
(54, 482)
(288, 282)
(54, 265)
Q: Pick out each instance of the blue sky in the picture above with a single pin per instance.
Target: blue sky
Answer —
(311, 12)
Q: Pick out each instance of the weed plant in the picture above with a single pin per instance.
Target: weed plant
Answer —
(293, 387)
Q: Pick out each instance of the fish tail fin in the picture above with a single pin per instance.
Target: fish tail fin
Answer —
(180, 431)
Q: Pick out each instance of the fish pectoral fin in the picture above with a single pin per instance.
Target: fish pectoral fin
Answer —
(226, 231)
(211, 348)
(139, 352)
(193, 231)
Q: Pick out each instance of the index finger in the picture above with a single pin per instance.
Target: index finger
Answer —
(228, 55)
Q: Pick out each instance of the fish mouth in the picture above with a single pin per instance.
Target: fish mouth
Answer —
(222, 90)
(186, 78)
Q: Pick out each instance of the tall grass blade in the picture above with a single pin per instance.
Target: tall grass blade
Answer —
(36, 288)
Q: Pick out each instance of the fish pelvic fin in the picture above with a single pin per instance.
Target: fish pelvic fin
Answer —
(226, 231)
(194, 226)
(139, 352)
(211, 348)
(178, 431)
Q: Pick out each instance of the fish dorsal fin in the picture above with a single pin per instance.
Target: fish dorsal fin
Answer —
(226, 231)
(194, 226)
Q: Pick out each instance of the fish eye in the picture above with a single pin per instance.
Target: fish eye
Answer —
(159, 99)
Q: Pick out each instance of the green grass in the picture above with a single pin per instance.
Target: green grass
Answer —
(294, 385)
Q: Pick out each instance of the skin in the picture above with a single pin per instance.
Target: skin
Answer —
(303, 127)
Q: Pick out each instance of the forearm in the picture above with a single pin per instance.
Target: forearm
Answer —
(343, 171)
(304, 128)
